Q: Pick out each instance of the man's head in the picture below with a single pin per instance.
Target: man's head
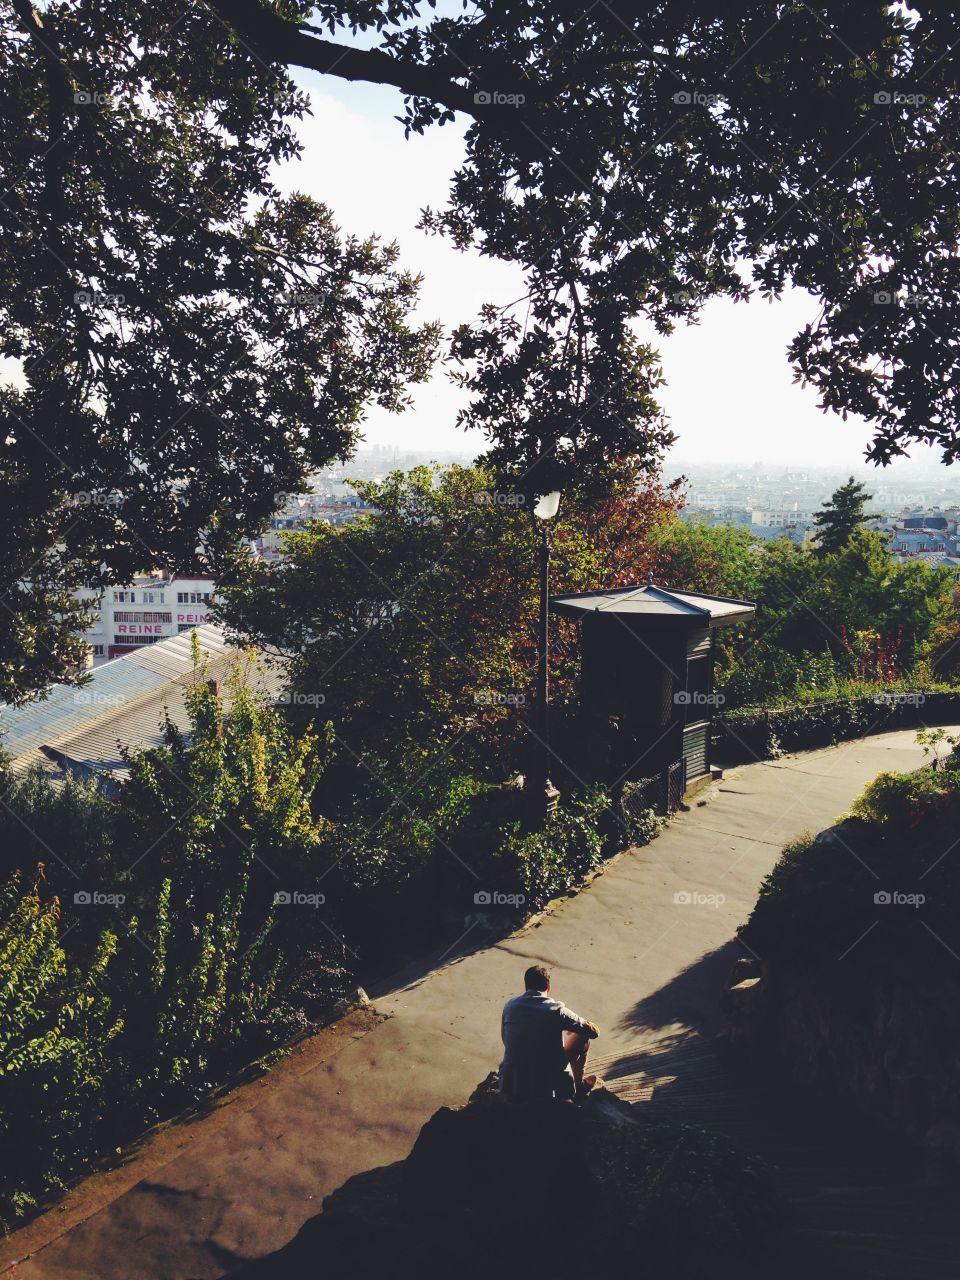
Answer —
(537, 978)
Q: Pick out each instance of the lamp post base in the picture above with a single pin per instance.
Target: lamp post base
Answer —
(544, 799)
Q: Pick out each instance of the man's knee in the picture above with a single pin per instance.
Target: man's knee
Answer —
(575, 1045)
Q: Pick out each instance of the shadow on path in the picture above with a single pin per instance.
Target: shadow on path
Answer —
(861, 1206)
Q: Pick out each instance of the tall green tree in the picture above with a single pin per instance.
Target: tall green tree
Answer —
(183, 345)
(841, 515)
(634, 160)
(640, 159)
(418, 622)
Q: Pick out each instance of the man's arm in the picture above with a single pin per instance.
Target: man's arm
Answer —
(571, 1021)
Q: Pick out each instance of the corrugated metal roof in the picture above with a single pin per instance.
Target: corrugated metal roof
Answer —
(124, 699)
(142, 724)
(655, 602)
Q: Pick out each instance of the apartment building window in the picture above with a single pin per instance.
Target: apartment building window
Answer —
(134, 642)
(154, 597)
(193, 597)
(146, 616)
(98, 650)
(124, 597)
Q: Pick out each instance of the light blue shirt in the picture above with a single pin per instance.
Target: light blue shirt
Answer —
(534, 1066)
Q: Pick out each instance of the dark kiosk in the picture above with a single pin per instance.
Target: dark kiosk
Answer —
(647, 680)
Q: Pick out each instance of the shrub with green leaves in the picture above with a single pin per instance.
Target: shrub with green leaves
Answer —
(548, 861)
(224, 823)
(57, 1028)
(38, 821)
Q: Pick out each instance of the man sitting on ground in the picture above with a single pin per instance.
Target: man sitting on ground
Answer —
(545, 1045)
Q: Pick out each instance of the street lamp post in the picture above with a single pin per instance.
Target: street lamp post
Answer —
(545, 796)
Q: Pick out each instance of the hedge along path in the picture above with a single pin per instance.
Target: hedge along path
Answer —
(748, 735)
(644, 951)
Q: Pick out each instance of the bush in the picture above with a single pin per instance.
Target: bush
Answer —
(751, 734)
(856, 933)
(212, 971)
(822, 894)
(57, 1026)
(545, 863)
(37, 818)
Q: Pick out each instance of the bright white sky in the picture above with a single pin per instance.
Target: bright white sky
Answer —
(730, 393)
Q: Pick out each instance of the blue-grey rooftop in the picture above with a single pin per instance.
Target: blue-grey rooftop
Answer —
(124, 701)
(654, 601)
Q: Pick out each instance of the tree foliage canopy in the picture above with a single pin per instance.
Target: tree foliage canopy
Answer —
(418, 622)
(190, 344)
(841, 515)
(640, 159)
(186, 345)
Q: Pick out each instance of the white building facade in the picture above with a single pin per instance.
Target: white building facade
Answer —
(145, 611)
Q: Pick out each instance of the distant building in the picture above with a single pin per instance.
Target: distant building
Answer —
(300, 510)
(146, 611)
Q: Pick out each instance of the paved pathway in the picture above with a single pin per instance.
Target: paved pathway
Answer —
(197, 1199)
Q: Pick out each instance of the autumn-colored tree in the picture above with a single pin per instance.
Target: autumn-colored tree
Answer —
(418, 622)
